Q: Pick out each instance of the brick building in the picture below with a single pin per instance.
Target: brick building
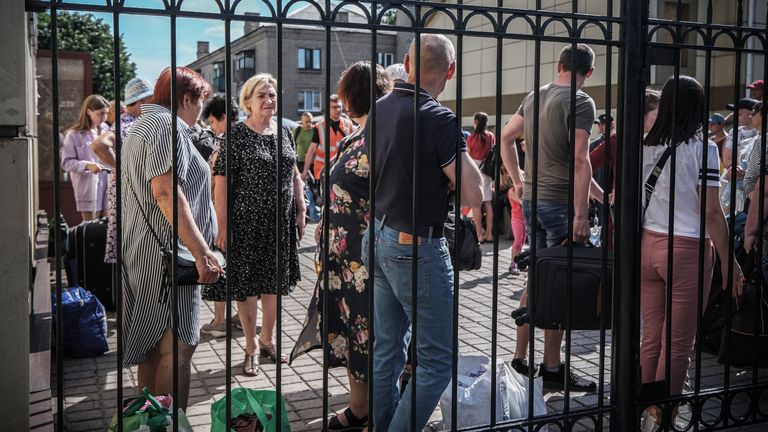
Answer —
(303, 75)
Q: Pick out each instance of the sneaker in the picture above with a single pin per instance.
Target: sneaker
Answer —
(520, 365)
(217, 330)
(553, 381)
(648, 422)
(513, 269)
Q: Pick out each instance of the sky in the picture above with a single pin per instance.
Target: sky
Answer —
(148, 38)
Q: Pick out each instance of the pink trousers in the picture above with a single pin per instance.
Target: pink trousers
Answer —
(518, 231)
(653, 298)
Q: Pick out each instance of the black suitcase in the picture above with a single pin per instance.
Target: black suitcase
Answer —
(87, 246)
(591, 294)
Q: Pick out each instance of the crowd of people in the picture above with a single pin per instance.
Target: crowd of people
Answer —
(235, 186)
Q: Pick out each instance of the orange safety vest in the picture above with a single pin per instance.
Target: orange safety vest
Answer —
(346, 127)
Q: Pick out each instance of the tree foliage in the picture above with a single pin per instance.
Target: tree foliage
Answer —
(87, 33)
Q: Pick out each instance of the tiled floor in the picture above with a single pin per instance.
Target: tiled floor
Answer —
(90, 384)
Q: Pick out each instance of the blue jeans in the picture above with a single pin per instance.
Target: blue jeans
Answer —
(392, 316)
(551, 223)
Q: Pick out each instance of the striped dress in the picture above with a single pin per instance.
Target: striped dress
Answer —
(147, 153)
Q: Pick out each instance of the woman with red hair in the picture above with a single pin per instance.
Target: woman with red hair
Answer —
(147, 174)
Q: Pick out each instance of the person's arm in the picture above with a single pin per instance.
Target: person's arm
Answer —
(301, 205)
(70, 161)
(727, 155)
(308, 159)
(220, 205)
(597, 156)
(162, 190)
(103, 148)
(717, 227)
(582, 180)
(512, 130)
(595, 191)
(471, 180)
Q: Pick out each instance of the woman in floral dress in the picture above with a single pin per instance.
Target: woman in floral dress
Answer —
(348, 316)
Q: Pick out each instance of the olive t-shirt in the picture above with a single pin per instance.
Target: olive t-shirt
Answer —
(554, 155)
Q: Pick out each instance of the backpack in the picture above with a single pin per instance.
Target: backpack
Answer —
(488, 166)
(84, 326)
(468, 255)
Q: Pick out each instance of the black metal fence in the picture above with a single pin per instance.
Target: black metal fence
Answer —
(630, 42)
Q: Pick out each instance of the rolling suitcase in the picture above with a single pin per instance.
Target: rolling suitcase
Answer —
(591, 294)
(87, 245)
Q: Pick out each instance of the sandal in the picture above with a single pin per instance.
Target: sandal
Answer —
(269, 352)
(251, 365)
(354, 423)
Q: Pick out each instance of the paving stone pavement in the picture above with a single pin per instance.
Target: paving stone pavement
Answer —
(90, 384)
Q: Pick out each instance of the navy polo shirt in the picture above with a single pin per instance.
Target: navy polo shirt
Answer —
(439, 132)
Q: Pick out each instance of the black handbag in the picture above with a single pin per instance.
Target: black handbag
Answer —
(186, 271)
(591, 294)
(468, 256)
(745, 343)
(488, 165)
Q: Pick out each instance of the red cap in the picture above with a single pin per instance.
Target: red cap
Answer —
(756, 84)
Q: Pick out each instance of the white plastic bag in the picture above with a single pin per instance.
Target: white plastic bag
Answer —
(474, 394)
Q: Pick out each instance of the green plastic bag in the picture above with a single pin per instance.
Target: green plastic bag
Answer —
(262, 403)
(153, 418)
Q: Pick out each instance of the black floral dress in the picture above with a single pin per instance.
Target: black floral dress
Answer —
(348, 294)
(251, 266)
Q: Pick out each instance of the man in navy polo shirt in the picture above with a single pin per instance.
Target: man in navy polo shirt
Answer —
(439, 133)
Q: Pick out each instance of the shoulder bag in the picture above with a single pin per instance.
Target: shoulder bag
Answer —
(186, 271)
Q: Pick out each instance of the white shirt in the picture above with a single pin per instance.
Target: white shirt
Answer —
(745, 133)
(688, 175)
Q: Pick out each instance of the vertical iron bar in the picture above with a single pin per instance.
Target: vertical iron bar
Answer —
(701, 301)
(57, 216)
(533, 148)
(626, 275)
(732, 212)
(459, 232)
(117, 268)
(571, 212)
(326, 206)
(279, 226)
(414, 220)
(608, 182)
(667, 411)
(228, 286)
(370, 124)
(495, 205)
(175, 218)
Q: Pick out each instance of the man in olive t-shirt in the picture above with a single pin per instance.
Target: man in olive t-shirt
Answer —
(554, 155)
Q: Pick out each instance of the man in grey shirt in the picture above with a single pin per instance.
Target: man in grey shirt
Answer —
(553, 168)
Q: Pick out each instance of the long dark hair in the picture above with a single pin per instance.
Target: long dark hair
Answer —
(678, 122)
(481, 119)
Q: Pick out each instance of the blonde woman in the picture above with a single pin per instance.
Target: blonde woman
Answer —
(253, 166)
(89, 178)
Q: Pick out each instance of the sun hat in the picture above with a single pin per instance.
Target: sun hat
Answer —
(137, 89)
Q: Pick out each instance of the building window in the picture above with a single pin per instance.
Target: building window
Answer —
(218, 77)
(309, 59)
(245, 60)
(244, 65)
(386, 59)
(309, 100)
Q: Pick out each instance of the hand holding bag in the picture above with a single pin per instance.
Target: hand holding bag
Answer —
(186, 271)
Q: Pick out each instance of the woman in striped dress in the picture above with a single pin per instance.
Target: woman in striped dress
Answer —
(147, 213)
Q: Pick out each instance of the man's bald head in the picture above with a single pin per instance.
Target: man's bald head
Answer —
(437, 62)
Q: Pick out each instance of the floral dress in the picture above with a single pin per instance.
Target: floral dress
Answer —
(347, 276)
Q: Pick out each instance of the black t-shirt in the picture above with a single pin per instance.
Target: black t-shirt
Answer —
(439, 134)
